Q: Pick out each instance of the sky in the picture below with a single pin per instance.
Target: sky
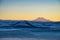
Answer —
(29, 9)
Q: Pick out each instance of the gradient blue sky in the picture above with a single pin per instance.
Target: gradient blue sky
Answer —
(30, 9)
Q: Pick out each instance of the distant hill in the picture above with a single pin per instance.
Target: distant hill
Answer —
(42, 19)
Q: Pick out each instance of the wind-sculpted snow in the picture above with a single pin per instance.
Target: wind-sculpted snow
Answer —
(28, 24)
(28, 33)
(29, 30)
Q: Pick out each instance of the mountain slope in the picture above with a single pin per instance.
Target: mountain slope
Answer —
(42, 19)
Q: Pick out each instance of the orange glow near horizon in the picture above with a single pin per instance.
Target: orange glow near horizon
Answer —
(30, 9)
(29, 18)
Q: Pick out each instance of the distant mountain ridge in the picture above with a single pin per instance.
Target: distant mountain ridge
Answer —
(42, 19)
